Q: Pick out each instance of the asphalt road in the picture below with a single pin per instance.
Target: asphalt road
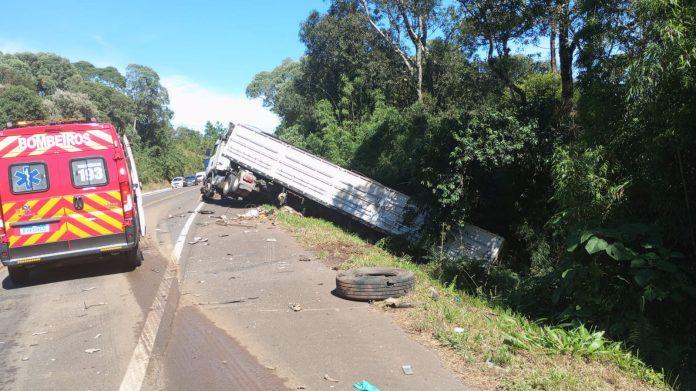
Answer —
(212, 315)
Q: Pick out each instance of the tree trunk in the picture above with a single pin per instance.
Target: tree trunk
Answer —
(419, 61)
(565, 55)
(552, 49)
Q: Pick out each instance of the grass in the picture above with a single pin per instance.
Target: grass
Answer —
(151, 186)
(498, 348)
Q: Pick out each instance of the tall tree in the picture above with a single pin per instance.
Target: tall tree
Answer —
(151, 103)
(406, 21)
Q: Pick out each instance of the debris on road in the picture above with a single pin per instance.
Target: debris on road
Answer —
(271, 240)
(40, 333)
(206, 212)
(198, 239)
(374, 283)
(301, 387)
(396, 303)
(25, 358)
(249, 214)
(97, 336)
(88, 289)
(92, 350)
(329, 378)
(305, 259)
(92, 305)
(459, 330)
(408, 370)
(222, 302)
(295, 307)
(434, 294)
(365, 386)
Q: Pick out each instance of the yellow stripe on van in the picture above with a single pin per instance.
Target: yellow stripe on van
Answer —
(6, 207)
(91, 224)
(80, 233)
(108, 220)
(47, 207)
(56, 236)
(32, 239)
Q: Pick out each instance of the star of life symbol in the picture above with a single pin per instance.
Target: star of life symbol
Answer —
(28, 178)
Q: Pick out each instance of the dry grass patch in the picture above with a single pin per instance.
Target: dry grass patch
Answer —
(495, 348)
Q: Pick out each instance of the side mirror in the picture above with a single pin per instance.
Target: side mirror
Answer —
(207, 152)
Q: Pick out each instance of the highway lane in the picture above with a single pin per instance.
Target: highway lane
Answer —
(49, 327)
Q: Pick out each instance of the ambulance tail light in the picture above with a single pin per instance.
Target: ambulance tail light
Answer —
(127, 199)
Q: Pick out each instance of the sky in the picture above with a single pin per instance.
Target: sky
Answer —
(206, 52)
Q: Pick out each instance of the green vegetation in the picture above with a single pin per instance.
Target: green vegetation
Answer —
(496, 343)
(37, 86)
(585, 162)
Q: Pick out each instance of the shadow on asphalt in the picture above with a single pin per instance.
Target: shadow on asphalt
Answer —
(75, 270)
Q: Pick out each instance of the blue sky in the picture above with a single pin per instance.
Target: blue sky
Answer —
(205, 51)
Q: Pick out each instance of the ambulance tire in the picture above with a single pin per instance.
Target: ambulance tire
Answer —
(18, 274)
(134, 258)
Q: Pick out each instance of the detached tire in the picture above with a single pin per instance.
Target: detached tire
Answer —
(369, 283)
(18, 274)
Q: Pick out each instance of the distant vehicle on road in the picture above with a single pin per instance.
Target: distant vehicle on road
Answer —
(190, 181)
(177, 182)
(200, 176)
(71, 189)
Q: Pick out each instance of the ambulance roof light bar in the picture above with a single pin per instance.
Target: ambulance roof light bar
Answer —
(52, 121)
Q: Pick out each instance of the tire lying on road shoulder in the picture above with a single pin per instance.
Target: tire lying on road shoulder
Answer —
(369, 283)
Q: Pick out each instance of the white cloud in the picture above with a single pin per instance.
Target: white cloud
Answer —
(11, 47)
(194, 104)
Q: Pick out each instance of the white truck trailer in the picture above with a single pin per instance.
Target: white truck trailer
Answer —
(246, 158)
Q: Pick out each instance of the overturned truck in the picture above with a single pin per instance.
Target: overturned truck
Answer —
(247, 159)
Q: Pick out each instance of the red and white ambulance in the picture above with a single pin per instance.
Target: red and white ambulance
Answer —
(71, 189)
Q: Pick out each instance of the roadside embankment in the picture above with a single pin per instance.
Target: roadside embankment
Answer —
(485, 345)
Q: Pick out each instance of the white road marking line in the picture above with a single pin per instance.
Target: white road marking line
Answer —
(137, 367)
(156, 192)
(179, 245)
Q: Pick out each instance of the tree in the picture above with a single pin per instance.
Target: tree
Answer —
(151, 103)
(67, 104)
(18, 103)
(415, 19)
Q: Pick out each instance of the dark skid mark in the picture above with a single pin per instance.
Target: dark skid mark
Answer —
(201, 356)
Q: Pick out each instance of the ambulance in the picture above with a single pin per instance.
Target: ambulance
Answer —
(70, 192)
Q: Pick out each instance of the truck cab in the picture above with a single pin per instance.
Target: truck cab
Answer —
(70, 190)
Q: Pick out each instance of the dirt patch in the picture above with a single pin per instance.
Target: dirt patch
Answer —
(336, 254)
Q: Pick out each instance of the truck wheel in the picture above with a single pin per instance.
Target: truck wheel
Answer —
(18, 274)
(373, 283)
(134, 258)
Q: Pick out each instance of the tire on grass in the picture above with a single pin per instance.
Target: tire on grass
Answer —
(369, 283)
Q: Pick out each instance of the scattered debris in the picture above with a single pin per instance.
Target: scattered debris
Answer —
(290, 210)
(249, 214)
(301, 387)
(206, 212)
(305, 259)
(25, 358)
(223, 235)
(97, 336)
(434, 294)
(459, 330)
(222, 302)
(155, 270)
(198, 239)
(92, 305)
(224, 361)
(223, 217)
(40, 333)
(170, 216)
(252, 298)
(270, 368)
(295, 307)
(365, 386)
(408, 370)
(331, 379)
(92, 350)
(397, 303)
(271, 240)
(88, 289)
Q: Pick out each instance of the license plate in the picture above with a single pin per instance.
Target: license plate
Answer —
(34, 229)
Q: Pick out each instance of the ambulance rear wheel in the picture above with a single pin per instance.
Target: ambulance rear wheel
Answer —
(18, 274)
(134, 258)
